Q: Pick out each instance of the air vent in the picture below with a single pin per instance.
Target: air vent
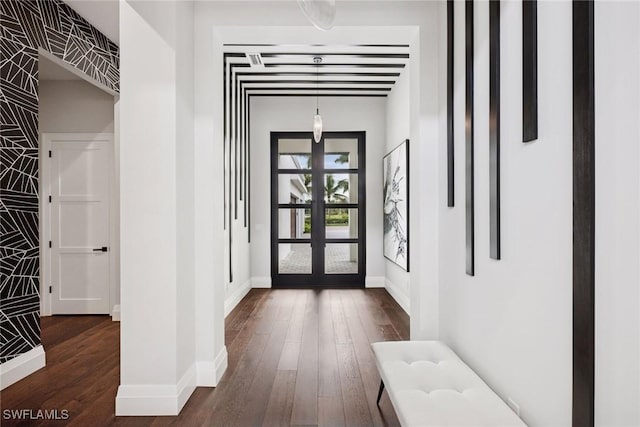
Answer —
(255, 60)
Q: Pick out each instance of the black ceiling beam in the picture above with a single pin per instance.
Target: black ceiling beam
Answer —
(356, 95)
(312, 45)
(355, 82)
(355, 65)
(312, 73)
(355, 55)
(354, 89)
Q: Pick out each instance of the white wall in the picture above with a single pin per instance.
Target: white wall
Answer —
(617, 74)
(67, 106)
(158, 364)
(296, 114)
(398, 118)
(512, 322)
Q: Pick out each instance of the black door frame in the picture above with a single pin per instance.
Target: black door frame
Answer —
(318, 278)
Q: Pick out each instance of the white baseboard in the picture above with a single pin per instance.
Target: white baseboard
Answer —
(232, 300)
(261, 282)
(160, 399)
(115, 313)
(21, 366)
(210, 373)
(374, 281)
(401, 298)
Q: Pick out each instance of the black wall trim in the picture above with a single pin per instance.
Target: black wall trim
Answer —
(469, 163)
(583, 214)
(312, 45)
(529, 70)
(356, 95)
(352, 54)
(494, 128)
(450, 146)
(341, 65)
(322, 74)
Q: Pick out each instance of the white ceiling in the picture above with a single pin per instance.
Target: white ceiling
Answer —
(102, 14)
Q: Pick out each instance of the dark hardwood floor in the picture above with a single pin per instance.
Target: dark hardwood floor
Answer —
(296, 357)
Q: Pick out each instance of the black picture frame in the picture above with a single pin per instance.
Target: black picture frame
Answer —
(395, 193)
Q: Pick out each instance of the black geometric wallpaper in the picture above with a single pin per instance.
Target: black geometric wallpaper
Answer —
(29, 25)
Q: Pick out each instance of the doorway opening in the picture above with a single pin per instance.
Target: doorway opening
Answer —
(318, 205)
(78, 192)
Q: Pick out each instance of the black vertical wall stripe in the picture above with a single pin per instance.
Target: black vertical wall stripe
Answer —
(244, 159)
(236, 144)
(529, 70)
(249, 168)
(469, 169)
(494, 129)
(450, 147)
(240, 141)
(583, 213)
(28, 26)
(224, 142)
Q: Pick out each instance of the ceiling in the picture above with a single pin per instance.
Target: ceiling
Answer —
(289, 70)
(102, 14)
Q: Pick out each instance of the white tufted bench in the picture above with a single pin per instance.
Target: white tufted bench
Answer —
(429, 385)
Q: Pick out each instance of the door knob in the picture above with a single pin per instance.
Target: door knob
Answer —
(102, 249)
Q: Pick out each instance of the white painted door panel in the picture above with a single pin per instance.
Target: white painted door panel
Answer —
(80, 196)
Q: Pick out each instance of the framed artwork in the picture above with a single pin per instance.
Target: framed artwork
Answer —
(395, 172)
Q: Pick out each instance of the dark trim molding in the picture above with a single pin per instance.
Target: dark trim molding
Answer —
(354, 95)
(450, 145)
(310, 45)
(529, 70)
(583, 214)
(469, 163)
(355, 65)
(313, 74)
(494, 128)
(352, 54)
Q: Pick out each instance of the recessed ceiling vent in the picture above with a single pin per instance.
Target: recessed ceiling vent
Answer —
(255, 60)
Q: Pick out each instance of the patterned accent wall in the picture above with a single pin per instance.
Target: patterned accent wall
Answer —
(29, 25)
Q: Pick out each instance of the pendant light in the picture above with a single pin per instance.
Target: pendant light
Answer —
(321, 13)
(317, 119)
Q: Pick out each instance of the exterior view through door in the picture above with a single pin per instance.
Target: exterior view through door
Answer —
(318, 209)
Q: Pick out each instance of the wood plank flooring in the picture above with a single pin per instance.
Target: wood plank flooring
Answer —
(296, 357)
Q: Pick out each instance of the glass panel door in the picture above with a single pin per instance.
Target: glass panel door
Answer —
(318, 209)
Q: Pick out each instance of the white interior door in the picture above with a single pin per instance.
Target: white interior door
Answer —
(80, 247)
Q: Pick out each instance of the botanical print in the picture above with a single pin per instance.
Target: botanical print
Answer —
(396, 203)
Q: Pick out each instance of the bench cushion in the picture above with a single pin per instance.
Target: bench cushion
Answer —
(429, 385)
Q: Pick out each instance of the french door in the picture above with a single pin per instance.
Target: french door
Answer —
(318, 206)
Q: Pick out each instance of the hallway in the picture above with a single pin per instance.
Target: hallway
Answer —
(296, 357)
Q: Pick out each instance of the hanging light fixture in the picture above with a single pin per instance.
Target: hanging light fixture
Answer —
(317, 119)
(321, 13)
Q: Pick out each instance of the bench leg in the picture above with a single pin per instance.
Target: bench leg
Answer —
(380, 392)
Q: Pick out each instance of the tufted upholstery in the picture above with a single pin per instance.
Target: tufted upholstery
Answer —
(429, 385)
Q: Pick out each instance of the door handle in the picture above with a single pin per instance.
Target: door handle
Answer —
(102, 249)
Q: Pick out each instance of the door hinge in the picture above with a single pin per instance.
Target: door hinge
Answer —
(50, 289)
(49, 153)
(49, 243)
(49, 199)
